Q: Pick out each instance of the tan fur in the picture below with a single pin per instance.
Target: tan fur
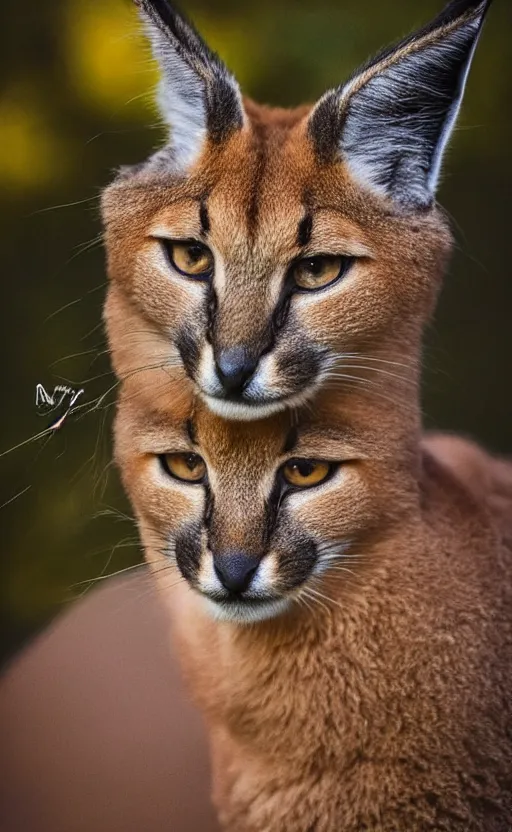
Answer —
(379, 699)
(385, 708)
(385, 705)
(256, 184)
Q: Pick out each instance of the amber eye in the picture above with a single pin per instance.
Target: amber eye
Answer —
(185, 467)
(304, 473)
(190, 258)
(317, 272)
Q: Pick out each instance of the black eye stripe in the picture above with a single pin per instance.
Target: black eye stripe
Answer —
(204, 219)
(272, 505)
(191, 431)
(305, 230)
(188, 551)
(209, 503)
(291, 440)
(188, 350)
(211, 312)
(289, 288)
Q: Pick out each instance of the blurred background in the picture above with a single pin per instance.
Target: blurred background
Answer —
(75, 103)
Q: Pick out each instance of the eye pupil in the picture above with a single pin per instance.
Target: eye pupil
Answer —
(304, 468)
(313, 273)
(314, 266)
(195, 253)
(305, 473)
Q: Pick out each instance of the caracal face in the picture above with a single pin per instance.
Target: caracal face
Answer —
(275, 252)
(254, 516)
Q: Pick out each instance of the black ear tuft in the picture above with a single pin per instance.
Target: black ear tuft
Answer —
(392, 120)
(198, 97)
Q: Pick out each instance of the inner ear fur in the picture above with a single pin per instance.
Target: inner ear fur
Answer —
(198, 97)
(391, 121)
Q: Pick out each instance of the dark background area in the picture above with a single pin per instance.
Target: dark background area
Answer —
(75, 102)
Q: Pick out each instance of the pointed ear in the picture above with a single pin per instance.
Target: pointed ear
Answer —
(198, 97)
(391, 122)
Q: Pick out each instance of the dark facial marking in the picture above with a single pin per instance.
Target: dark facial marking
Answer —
(209, 501)
(282, 307)
(304, 231)
(272, 505)
(211, 311)
(326, 126)
(204, 219)
(188, 351)
(299, 365)
(291, 440)
(296, 564)
(188, 551)
(191, 431)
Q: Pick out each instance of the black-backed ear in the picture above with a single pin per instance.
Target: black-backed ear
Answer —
(198, 97)
(391, 121)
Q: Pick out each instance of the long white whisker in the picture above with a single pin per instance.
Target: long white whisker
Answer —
(355, 356)
(315, 597)
(378, 370)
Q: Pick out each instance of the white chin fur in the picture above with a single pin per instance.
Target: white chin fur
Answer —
(249, 412)
(242, 412)
(243, 613)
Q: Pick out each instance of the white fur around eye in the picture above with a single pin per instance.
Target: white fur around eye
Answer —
(313, 300)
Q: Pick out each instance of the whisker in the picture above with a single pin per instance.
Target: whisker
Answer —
(34, 438)
(73, 355)
(343, 569)
(369, 389)
(64, 205)
(112, 575)
(301, 600)
(378, 370)
(315, 597)
(92, 331)
(319, 594)
(356, 356)
(15, 497)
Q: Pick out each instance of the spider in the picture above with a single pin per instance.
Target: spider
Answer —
(50, 402)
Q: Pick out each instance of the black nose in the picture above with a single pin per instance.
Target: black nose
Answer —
(235, 367)
(235, 570)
